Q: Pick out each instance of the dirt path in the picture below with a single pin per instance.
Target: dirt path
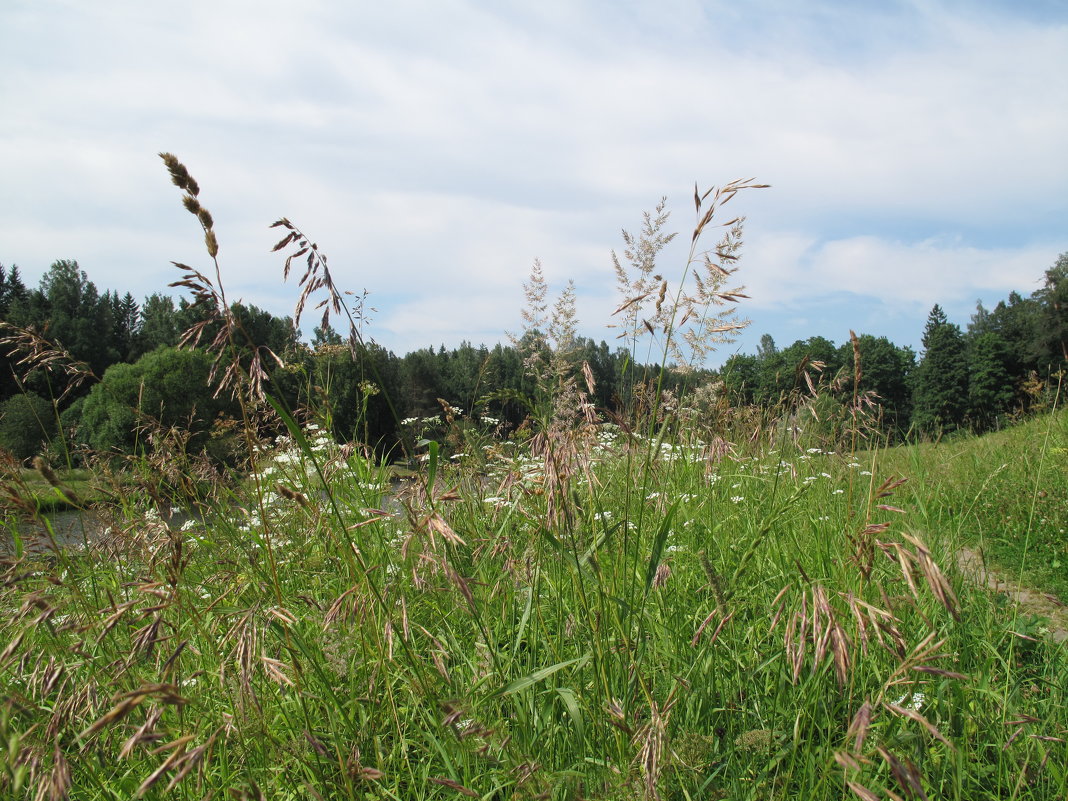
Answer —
(1030, 602)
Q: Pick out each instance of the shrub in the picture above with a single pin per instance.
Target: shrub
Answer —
(27, 422)
(168, 386)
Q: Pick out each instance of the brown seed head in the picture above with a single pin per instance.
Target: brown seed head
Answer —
(46, 472)
(179, 174)
(292, 495)
(212, 243)
(663, 573)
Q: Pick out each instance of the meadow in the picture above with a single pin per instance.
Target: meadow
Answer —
(674, 605)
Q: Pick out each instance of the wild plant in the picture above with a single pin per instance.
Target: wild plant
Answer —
(694, 316)
(35, 351)
(228, 373)
(561, 410)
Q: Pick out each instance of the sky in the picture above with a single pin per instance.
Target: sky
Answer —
(915, 150)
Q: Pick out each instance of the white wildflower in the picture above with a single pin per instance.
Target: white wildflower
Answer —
(914, 701)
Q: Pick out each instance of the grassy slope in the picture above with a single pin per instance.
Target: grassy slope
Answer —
(1005, 492)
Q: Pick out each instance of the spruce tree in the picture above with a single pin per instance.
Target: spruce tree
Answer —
(1051, 346)
(127, 316)
(13, 294)
(990, 390)
(940, 388)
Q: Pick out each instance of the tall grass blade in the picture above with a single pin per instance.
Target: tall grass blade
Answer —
(659, 541)
(537, 676)
(567, 695)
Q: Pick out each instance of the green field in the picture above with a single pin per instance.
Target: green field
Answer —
(590, 614)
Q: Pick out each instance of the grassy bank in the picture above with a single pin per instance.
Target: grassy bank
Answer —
(609, 616)
(1005, 493)
(81, 490)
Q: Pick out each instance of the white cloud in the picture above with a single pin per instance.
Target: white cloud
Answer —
(790, 270)
(434, 149)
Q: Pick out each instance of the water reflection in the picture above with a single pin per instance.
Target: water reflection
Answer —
(44, 533)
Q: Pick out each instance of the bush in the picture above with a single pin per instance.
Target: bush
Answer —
(27, 423)
(168, 386)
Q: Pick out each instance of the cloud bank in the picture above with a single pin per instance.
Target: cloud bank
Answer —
(435, 149)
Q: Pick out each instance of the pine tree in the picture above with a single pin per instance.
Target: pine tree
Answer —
(159, 324)
(127, 324)
(12, 290)
(1052, 341)
(990, 390)
(940, 388)
(13, 296)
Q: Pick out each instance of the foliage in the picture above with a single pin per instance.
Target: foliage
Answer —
(990, 390)
(159, 324)
(703, 627)
(940, 383)
(167, 387)
(27, 423)
(12, 297)
(1052, 341)
(1009, 371)
(886, 371)
(355, 389)
(1006, 493)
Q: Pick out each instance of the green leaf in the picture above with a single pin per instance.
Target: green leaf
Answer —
(602, 538)
(432, 466)
(539, 675)
(658, 545)
(291, 425)
(567, 695)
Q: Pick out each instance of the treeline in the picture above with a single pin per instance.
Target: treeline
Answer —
(99, 356)
(121, 380)
(1002, 364)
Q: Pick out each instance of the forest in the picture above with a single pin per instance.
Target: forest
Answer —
(102, 364)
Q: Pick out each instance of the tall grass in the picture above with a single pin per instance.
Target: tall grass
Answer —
(606, 611)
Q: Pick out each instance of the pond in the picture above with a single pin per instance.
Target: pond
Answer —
(75, 527)
(66, 528)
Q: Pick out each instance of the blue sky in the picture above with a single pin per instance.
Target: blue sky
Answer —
(916, 150)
